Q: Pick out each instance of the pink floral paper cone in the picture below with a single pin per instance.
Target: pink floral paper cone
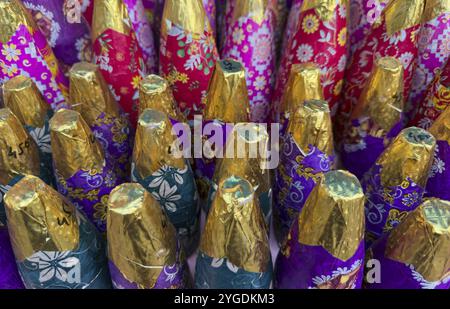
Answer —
(249, 39)
(320, 38)
(187, 53)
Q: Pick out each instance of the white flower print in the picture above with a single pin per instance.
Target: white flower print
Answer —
(406, 59)
(52, 264)
(166, 171)
(304, 52)
(396, 38)
(341, 63)
(425, 123)
(42, 139)
(424, 283)
(216, 263)
(438, 166)
(166, 196)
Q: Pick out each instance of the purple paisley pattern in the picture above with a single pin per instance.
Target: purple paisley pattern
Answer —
(439, 180)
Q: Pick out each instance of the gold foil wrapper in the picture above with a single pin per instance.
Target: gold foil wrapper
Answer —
(141, 240)
(12, 15)
(403, 14)
(19, 153)
(155, 145)
(254, 9)
(310, 124)
(333, 215)
(244, 156)
(188, 14)
(423, 240)
(89, 93)
(323, 8)
(23, 98)
(303, 84)
(441, 126)
(39, 219)
(235, 227)
(434, 8)
(155, 93)
(409, 155)
(110, 14)
(227, 98)
(382, 97)
(74, 146)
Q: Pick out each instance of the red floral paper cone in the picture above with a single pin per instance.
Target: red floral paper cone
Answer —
(320, 38)
(25, 50)
(436, 100)
(393, 35)
(291, 25)
(187, 53)
(434, 50)
(87, 9)
(250, 33)
(117, 53)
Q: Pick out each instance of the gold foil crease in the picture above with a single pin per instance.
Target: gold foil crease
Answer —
(39, 219)
(311, 125)
(434, 8)
(110, 14)
(227, 98)
(74, 146)
(248, 165)
(423, 240)
(409, 155)
(155, 93)
(188, 14)
(303, 84)
(141, 240)
(254, 9)
(235, 227)
(324, 8)
(23, 98)
(12, 15)
(89, 94)
(19, 153)
(155, 144)
(403, 14)
(382, 97)
(333, 215)
(441, 126)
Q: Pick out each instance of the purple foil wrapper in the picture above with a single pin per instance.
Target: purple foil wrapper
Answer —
(89, 192)
(171, 277)
(363, 14)
(210, 9)
(438, 184)
(361, 153)
(115, 137)
(253, 45)
(397, 275)
(301, 266)
(387, 206)
(434, 50)
(68, 36)
(9, 275)
(144, 33)
(295, 178)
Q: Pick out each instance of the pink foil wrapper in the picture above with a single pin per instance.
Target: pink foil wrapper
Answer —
(252, 43)
(323, 42)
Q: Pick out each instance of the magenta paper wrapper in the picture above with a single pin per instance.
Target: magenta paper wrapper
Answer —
(144, 33)
(87, 9)
(322, 41)
(115, 136)
(250, 40)
(89, 191)
(154, 10)
(397, 275)
(401, 44)
(386, 207)
(171, 277)
(434, 51)
(360, 152)
(68, 34)
(210, 10)
(9, 275)
(27, 52)
(363, 13)
(295, 178)
(301, 266)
